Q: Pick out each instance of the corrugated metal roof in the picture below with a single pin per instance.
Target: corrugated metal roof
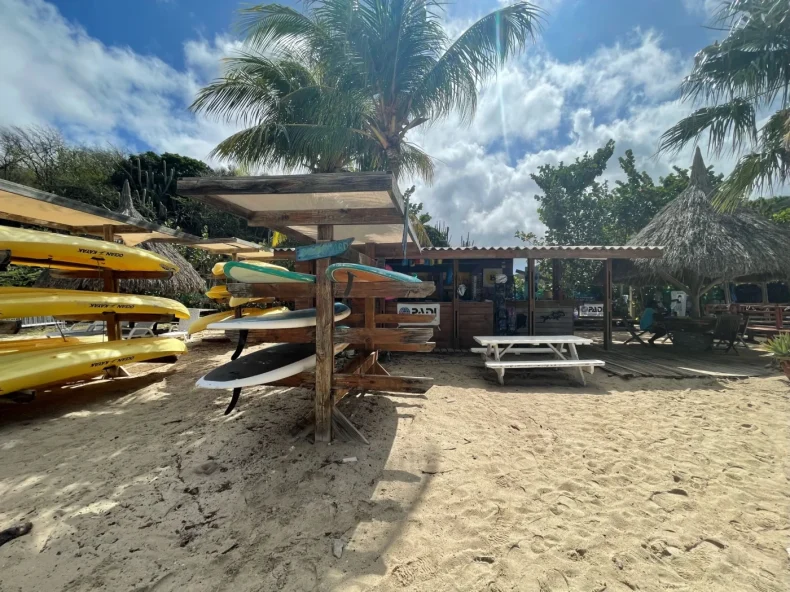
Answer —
(580, 248)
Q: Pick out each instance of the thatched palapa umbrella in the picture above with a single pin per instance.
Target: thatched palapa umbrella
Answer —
(185, 281)
(704, 247)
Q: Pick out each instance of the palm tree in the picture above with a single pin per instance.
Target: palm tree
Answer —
(748, 72)
(342, 84)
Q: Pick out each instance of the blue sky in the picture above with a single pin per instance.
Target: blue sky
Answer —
(109, 72)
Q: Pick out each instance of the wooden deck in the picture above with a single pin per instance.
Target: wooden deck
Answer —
(665, 361)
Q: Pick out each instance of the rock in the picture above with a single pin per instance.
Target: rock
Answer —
(337, 547)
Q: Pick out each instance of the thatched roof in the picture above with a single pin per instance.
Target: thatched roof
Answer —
(703, 245)
(185, 281)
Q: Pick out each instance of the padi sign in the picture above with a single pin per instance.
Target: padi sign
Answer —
(419, 308)
(591, 309)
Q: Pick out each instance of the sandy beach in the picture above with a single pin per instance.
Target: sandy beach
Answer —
(540, 485)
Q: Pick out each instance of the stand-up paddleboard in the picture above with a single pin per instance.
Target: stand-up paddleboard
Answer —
(262, 367)
(219, 268)
(13, 346)
(241, 271)
(340, 272)
(47, 249)
(323, 250)
(284, 320)
(36, 369)
(235, 301)
(74, 304)
(202, 323)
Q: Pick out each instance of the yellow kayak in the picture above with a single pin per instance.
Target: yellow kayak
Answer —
(36, 369)
(12, 346)
(220, 294)
(219, 268)
(203, 322)
(47, 249)
(74, 304)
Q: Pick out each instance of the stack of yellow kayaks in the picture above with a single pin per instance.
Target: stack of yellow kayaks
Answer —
(71, 363)
(35, 363)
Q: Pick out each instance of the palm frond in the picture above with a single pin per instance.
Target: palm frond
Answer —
(755, 172)
(275, 28)
(734, 120)
(416, 163)
(451, 84)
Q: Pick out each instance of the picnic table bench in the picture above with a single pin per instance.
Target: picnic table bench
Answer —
(563, 348)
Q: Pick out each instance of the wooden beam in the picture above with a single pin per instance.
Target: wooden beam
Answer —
(531, 296)
(5, 259)
(456, 338)
(382, 337)
(391, 319)
(376, 382)
(607, 305)
(370, 337)
(287, 184)
(358, 290)
(345, 216)
(324, 345)
(409, 347)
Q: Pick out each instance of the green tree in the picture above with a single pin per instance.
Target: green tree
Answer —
(577, 209)
(343, 83)
(747, 72)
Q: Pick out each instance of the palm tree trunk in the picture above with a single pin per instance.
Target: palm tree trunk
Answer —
(393, 159)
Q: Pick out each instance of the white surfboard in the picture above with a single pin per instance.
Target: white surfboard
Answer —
(284, 320)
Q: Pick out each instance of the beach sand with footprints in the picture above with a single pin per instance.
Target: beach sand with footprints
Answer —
(540, 485)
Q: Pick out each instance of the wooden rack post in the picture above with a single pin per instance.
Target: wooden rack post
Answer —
(111, 285)
(607, 304)
(324, 343)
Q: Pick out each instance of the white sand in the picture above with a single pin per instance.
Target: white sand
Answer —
(622, 485)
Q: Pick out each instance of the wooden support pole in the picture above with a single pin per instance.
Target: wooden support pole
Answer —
(531, 296)
(456, 328)
(607, 304)
(324, 344)
(111, 285)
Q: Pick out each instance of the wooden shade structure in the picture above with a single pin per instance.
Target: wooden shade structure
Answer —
(27, 205)
(367, 207)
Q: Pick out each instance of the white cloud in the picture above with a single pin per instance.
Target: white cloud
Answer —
(53, 72)
(537, 111)
(624, 92)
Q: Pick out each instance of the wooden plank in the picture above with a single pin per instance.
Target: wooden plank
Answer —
(297, 335)
(360, 364)
(404, 318)
(383, 336)
(408, 347)
(358, 290)
(287, 184)
(377, 382)
(345, 216)
(324, 345)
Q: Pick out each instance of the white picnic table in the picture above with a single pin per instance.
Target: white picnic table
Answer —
(562, 347)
